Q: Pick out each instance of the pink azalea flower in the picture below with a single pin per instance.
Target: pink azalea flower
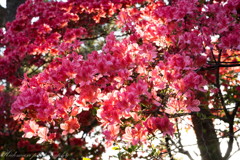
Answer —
(30, 129)
(70, 126)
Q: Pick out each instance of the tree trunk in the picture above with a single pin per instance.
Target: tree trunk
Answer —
(3, 14)
(12, 6)
(207, 140)
(8, 14)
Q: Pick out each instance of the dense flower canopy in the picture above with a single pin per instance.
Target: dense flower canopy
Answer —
(166, 55)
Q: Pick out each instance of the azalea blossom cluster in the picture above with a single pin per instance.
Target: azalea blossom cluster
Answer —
(43, 29)
(134, 83)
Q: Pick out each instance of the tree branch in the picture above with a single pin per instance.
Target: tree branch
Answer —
(231, 132)
(168, 148)
(181, 150)
(3, 13)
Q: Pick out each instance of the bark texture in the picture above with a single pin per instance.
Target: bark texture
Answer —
(3, 14)
(203, 126)
(8, 14)
(12, 6)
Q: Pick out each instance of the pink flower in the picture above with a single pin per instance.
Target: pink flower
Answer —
(135, 135)
(32, 100)
(175, 105)
(139, 88)
(191, 102)
(70, 126)
(193, 105)
(88, 93)
(111, 133)
(109, 114)
(43, 134)
(65, 102)
(30, 129)
(163, 124)
(85, 74)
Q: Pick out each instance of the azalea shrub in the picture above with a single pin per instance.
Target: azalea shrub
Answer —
(122, 73)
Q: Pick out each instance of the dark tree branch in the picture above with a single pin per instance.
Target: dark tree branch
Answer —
(8, 14)
(230, 117)
(225, 62)
(3, 13)
(168, 148)
(101, 35)
(230, 142)
(181, 150)
(217, 66)
(227, 65)
(12, 6)
(176, 115)
(231, 132)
